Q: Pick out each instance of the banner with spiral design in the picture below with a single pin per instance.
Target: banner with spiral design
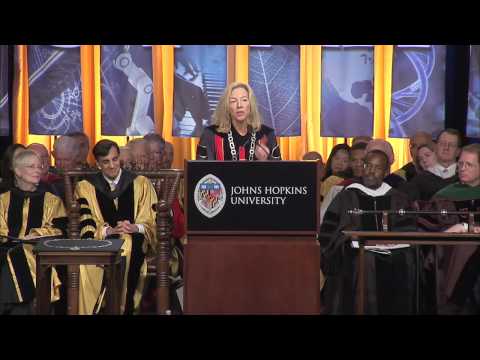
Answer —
(55, 89)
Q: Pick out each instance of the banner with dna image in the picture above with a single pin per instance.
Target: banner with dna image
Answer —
(127, 90)
(347, 90)
(55, 89)
(418, 90)
(274, 75)
(199, 81)
(4, 92)
(473, 114)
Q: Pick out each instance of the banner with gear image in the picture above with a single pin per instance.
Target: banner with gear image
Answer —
(55, 89)
(127, 90)
(347, 90)
(199, 81)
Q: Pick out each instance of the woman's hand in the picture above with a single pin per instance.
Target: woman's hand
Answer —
(262, 152)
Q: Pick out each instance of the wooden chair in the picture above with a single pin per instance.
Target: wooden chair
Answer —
(166, 183)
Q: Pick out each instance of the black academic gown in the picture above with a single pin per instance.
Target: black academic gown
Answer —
(391, 278)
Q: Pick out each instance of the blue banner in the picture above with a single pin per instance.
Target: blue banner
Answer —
(4, 92)
(347, 90)
(418, 90)
(473, 115)
(274, 75)
(127, 90)
(200, 79)
(55, 89)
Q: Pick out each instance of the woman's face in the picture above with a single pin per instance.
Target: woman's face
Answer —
(340, 161)
(426, 158)
(30, 171)
(239, 104)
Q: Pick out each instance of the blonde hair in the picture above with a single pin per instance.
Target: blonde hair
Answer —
(22, 156)
(221, 116)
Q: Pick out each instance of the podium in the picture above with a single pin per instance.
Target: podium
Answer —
(251, 238)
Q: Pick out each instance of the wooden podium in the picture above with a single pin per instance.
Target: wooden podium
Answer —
(251, 238)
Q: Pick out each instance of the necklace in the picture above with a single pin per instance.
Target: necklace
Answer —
(233, 151)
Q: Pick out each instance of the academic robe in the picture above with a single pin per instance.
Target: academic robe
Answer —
(425, 185)
(24, 213)
(214, 145)
(136, 202)
(391, 278)
(457, 263)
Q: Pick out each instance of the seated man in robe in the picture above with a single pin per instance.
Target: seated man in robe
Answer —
(457, 272)
(390, 273)
(121, 205)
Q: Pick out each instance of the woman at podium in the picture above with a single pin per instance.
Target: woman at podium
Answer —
(237, 132)
(26, 212)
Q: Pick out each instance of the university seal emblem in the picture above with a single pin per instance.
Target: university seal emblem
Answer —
(210, 195)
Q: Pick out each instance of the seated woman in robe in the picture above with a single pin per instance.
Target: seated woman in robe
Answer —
(26, 213)
(337, 169)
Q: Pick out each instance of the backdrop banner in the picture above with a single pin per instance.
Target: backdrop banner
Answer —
(347, 90)
(473, 115)
(274, 75)
(55, 89)
(4, 92)
(127, 90)
(418, 90)
(200, 79)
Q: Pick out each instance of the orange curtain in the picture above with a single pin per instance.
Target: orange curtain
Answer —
(163, 69)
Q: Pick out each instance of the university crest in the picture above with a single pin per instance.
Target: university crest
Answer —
(210, 195)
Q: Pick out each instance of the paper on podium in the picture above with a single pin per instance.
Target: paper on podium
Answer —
(381, 249)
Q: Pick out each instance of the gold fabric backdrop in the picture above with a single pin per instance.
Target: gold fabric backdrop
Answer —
(163, 70)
